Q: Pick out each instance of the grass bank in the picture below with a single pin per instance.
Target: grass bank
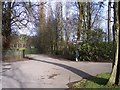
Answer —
(99, 81)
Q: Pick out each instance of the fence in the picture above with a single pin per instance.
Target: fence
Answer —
(12, 55)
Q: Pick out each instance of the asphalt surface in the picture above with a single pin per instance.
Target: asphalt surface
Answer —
(45, 72)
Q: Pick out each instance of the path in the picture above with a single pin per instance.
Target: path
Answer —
(46, 72)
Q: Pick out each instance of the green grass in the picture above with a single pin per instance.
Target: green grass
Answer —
(99, 81)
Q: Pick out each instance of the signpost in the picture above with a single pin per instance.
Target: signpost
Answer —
(75, 41)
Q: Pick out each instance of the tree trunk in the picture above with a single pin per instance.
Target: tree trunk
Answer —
(84, 24)
(0, 33)
(61, 26)
(80, 19)
(59, 23)
(109, 21)
(42, 28)
(0, 44)
(114, 28)
(114, 78)
(118, 65)
(88, 22)
(7, 26)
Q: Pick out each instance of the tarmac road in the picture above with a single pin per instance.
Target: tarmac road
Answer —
(46, 72)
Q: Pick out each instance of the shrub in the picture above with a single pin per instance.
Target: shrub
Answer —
(31, 51)
(96, 52)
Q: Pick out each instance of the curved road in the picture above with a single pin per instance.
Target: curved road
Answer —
(45, 72)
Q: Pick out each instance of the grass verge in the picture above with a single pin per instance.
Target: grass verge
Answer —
(99, 81)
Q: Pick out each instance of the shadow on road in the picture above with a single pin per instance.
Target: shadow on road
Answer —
(80, 73)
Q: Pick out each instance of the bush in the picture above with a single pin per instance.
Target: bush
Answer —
(89, 52)
(67, 53)
(84, 52)
(70, 53)
(96, 52)
(31, 51)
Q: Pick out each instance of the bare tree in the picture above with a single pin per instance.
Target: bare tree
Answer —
(13, 14)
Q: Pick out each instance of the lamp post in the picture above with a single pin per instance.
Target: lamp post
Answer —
(75, 41)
